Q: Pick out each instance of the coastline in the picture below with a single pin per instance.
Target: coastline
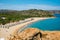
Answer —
(14, 29)
(26, 23)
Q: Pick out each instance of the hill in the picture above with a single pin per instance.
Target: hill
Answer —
(14, 15)
(55, 11)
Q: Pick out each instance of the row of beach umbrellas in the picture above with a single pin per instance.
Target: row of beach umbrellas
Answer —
(14, 23)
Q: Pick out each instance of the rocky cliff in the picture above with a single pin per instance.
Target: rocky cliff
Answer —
(36, 34)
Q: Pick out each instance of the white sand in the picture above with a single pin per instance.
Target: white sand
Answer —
(2, 39)
(6, 33)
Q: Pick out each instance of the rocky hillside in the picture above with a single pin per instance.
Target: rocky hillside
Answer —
(36, 34)
(55, 11)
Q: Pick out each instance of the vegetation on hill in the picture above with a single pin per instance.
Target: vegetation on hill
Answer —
(13, 15)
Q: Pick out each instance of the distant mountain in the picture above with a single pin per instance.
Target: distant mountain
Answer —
(55, 11)
(7, 10)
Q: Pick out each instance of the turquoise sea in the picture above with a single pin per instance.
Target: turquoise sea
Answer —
(48, 24)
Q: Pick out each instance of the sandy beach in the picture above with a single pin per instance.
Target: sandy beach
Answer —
(6, 33)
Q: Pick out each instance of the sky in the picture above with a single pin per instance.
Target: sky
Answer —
(30, 4)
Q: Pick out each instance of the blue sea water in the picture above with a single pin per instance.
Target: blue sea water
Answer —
(48, 24)
(57, 15)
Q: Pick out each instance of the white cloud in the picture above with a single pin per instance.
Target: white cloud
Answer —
(29, 6)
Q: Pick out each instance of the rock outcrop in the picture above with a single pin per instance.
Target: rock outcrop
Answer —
(36, 34)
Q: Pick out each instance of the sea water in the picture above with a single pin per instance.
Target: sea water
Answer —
(48, 24)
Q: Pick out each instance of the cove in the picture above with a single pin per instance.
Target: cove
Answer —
(52, 24)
